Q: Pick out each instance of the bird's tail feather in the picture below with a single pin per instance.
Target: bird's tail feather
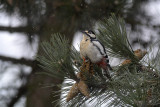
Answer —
(110, 68)
(107, 74)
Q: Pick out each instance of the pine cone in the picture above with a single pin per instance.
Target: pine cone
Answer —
(83, 88)
(127, 61)
(81, 76)
(138, 53)
(87, 67)
(73, 92)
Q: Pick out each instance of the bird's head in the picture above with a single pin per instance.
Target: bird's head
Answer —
(89, 34)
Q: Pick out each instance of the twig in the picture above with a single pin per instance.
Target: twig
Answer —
(18, 61)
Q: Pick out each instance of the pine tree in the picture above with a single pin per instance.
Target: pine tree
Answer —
(135, 81)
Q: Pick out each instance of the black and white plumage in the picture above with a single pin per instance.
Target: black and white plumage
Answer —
(94, 50)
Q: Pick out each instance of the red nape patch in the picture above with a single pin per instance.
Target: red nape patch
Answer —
(102, 63)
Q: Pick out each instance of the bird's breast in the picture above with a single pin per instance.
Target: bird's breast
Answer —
(87, 49)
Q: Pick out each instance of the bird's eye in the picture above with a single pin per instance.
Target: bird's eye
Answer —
(90, 32)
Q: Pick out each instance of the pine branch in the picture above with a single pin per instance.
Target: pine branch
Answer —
(133, 84)
(18, 61)
(21, 92)
(112, 33)
(22, 29)
(57, 59)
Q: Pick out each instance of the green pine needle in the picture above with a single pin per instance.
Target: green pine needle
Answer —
(130, 83)
(112, 33)
(56, 59)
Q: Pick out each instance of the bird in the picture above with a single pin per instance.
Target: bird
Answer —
(92, 49)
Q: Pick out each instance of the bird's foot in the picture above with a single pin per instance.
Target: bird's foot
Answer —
(86, 60)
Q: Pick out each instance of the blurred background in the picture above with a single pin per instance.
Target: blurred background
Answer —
(24, 24)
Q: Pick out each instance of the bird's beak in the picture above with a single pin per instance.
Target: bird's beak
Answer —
(84, 32)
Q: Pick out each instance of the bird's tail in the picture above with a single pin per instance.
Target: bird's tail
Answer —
(109, 66)
(106, 67)
(107, 74)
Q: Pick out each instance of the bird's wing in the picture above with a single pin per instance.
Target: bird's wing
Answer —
(99, 46)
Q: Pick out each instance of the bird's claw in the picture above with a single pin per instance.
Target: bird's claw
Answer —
(86, 60)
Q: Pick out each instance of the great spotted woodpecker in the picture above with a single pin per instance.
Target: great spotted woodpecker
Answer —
(93, 50)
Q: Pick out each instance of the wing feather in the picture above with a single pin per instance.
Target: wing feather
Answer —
(100, 46)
